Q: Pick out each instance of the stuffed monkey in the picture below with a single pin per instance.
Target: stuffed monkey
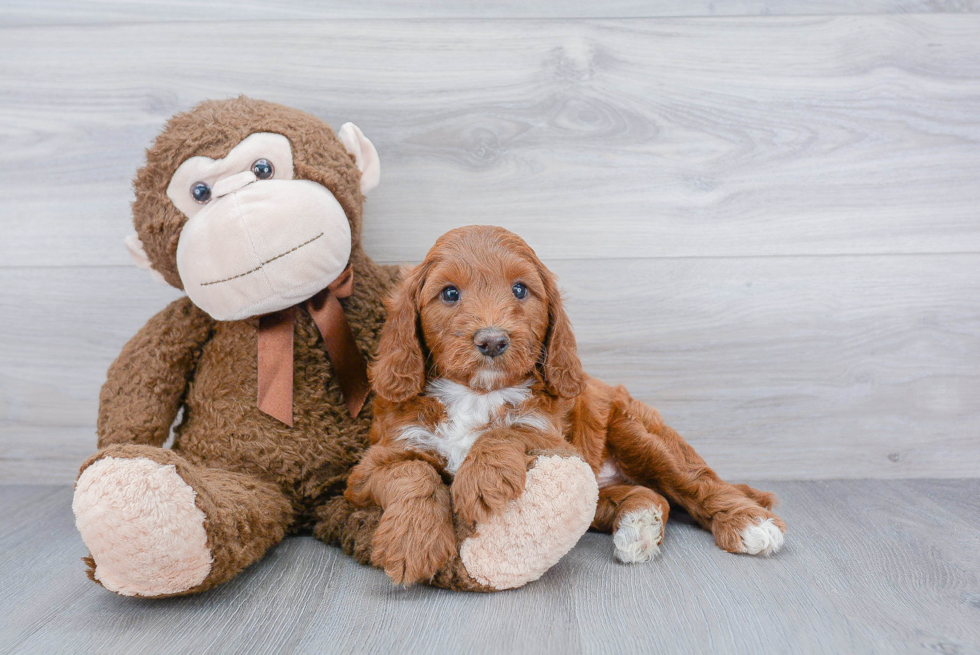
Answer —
(255, 210)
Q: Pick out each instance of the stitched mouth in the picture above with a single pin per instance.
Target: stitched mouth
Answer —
(268, 261)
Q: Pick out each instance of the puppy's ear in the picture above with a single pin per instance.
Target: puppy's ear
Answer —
(560, 363)
(398, 372)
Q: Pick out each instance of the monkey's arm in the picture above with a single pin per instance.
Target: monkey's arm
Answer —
(146, 384)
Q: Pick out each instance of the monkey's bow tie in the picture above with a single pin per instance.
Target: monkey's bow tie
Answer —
(275, 345)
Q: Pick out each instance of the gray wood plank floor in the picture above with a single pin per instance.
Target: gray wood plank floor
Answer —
(870, 567)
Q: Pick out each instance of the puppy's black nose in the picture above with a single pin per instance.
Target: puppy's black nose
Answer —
(491, 341)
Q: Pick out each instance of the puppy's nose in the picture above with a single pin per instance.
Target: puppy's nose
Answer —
(491, 341)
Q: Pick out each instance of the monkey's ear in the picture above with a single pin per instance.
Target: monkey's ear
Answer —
(136, 251)
(364, 153)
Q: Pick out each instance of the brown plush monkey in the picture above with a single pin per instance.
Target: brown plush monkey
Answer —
(254, 209)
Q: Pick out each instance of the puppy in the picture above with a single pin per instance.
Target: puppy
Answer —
(477, 370)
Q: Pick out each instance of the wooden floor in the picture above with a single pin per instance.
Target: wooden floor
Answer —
(870, 566)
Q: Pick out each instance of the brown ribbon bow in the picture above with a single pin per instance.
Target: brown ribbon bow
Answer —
(276, 351)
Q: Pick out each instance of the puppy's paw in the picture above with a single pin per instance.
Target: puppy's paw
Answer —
(412, 543)
(750, 531)
(481, 491)
(764, 537)
(638, 537)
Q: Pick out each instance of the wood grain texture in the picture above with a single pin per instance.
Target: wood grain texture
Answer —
(782, 367)
(595, 139)
(61, 12)
(869, 567)
(768, 226)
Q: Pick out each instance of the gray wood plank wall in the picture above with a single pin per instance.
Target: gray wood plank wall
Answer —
(766, 215)
(51, 12)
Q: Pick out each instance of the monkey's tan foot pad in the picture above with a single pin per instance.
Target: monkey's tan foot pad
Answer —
(140, 523)
(536, 530)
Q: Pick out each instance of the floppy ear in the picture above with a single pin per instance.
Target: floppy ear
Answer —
(560, 363)
(398, 372)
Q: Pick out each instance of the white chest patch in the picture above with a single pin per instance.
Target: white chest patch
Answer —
(610, 474)
(468, 415)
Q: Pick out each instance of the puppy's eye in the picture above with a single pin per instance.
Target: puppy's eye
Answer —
(520, 291)
(450, 294)
(263, 169)
(201, 192)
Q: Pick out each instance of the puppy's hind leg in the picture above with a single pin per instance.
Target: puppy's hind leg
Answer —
(651, 453)
(765, 498)
(636, 516)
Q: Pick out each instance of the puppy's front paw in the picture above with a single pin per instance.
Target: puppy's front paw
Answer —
(480, 491)
(412, 543)
(638, 537)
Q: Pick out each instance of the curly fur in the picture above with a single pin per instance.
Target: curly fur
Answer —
(254, 478)
(430, 342)
(212, 129)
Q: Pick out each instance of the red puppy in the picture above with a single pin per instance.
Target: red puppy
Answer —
(477, 367)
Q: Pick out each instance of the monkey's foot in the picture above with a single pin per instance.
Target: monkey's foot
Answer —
(536, 530)
(140, 523)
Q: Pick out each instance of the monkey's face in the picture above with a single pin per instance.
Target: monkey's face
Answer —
(249, 206)
(256, 240)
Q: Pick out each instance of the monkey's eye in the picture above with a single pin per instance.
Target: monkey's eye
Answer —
(450, 294)
(520, 291)
(263, 169)
(201, 192)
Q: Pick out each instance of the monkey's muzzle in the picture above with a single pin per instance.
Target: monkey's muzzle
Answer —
(259, 247)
